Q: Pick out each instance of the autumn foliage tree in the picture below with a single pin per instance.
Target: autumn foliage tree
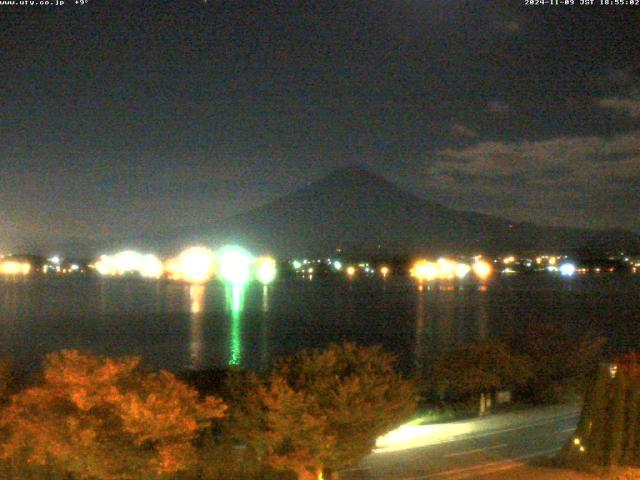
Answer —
(103, 418)
(320, 409)
(559, 357)
(473, 369)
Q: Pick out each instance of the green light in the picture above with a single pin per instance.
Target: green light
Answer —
(296, 265)
(234, 265)
(235, 301)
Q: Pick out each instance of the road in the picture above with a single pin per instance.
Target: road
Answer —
(468, 449)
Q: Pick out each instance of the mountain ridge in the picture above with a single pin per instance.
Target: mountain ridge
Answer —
(356, 209)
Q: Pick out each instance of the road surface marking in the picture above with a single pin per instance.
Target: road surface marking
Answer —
(567, 430)
(491, 467)
(509, 465)
(475, 450)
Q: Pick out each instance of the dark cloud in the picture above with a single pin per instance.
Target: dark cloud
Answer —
(549, 181)
(460, 131)
(625, 106)
(498, 106)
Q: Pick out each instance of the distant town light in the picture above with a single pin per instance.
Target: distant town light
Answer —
(425, 270)
(567, 269)
(462, 269)
(446, 268)
(384, 270)
(481, 269)
(10, 267)
(337, 265)
(351, 270)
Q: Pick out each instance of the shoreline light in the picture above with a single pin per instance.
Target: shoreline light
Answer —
(234, 264)
(129, 262)
(193, 265)
(481, 269)
(567, 269)
(266, 271)
(12, 267)
(425, 270)
(461, 270)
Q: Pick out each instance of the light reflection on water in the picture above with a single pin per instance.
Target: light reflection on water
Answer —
(264, 331)
(235, 305)
(177, 326)
(196, 345)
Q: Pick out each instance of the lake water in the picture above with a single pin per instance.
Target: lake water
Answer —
(176, 326)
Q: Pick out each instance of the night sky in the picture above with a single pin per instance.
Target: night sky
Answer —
(122, 116)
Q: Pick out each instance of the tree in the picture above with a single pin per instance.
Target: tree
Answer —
(321, 409)
(5, 378)
(607, 432)
(559, 357)
(104, 418)
(474, 369)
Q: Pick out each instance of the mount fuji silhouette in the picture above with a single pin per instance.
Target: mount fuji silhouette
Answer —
(353, 209)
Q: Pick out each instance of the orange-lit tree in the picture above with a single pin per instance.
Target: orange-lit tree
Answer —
(321, 409)
(471, 370)
(104, 418)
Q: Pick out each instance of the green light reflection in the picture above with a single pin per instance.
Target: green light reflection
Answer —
(235, 303)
